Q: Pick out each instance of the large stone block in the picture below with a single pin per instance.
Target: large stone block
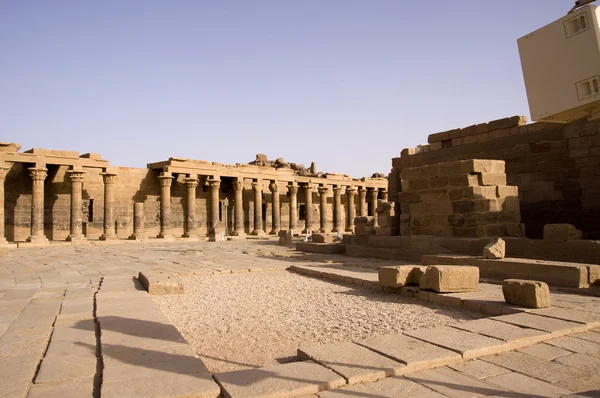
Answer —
(364, 230)
(526, 293)
(402, 275)
(495, 249)
(322, 238)
(561, 232)
(450, 279)
(364, 221)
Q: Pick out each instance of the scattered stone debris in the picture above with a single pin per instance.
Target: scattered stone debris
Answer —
(496, 249)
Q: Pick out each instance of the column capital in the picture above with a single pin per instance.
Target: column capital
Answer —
(337, 190)
(214, 183)
(308, 185)
(38, 174)
(165, 181)
(4, 167)
(350, 190)
(256, 185)
(238, 184)
(323, 190)
(76, 175)
(292, 189)
(362, 190)
(273, 187)
(191, 182)
(382, 189)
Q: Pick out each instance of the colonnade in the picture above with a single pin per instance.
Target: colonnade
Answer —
(38, 175)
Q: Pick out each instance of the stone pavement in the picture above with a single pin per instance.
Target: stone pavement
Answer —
(75, 322)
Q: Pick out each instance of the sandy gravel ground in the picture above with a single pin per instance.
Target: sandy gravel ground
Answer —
(239, 321)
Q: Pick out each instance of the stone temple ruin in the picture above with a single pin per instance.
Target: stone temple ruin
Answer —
(526, 196)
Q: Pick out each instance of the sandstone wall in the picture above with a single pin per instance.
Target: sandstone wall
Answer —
(555, 167)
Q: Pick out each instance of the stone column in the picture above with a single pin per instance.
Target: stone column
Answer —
(109, 203)
(275, 208)
(190, 222)
(362, 202)
(138, 222)
(337, 209)
(374, 192)
(384, 194)
(258, 227)
(308, 191)
(38, 175)
(293, 192)
(166, 179)
(324, 217)
(76, 234)
(3, 171)
(350, 191)
(215, 185)
(238, 207)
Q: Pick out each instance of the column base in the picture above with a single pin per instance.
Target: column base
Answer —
(78, 240)
(258, 232)
(37, 241)
(136, 237)
(350, 229)
(238, 234)
(165, 236)
(109, 237)
(190, 237)
(274, 232)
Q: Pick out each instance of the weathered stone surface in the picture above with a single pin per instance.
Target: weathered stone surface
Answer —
(416, 354)
(561, 232)
(70, 388)
(366, 220)
(515, 335)
(173, 385)
(550, 372)
(495, 249)
(469, 345)
(355, 363)
(390, 387)
(531, 294)
(160, 285)
(397, 276)
(525, 385)
(286, 380)
(455, 384)
(578, 315)
(556, 327)
(322, 238)
(545, 351)
(577, 345)
(478, 369)
(449, 279)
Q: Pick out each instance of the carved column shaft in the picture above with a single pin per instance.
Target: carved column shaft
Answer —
(165, 205)
(190, 221)
(276, 208)
(215, 185)
(337, 210)
(3, 171)
(308, 190)
(324, 216)
(350, 191)
(38, 175)
(293, 191)
(238, 221)
(374, 192)
(258, 227)
(138, 221)
(76, 232)
(362, 202)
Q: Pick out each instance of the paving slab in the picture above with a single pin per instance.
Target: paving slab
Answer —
(287, 380)
(390, 387)
(577, 345)
(469, 345)
(355, 363)
(525, 385)
(454, 384)
(589, 336)
(554, 326)
(545, 351)
(18, 367)
(71, 388)
(516, 336)
(583, 363)
(479, 369)
(551, 372)
(416, 354)
(592, 319)
(581, 383)
(165, 386)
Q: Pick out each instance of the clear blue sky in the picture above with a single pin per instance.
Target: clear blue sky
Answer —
(344, 83)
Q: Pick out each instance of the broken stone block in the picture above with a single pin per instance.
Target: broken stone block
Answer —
(561, 232)
(285, 237)
(402, 275)
(370, 221)
(450, 279)
(531, 294)
(495, 249)
(322, 238)
(160, 285)
(363, 230)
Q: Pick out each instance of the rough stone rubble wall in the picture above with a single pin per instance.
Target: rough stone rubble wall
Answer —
(555, 167)
(463, 198)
